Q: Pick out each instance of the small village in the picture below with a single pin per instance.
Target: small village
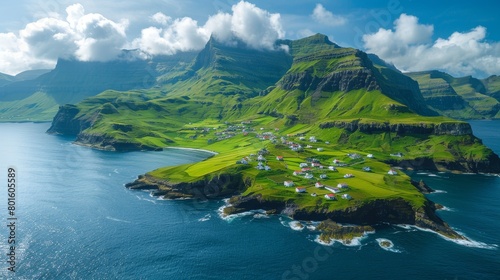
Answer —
(313, 176)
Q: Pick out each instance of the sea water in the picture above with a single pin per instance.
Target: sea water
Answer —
(76, 220)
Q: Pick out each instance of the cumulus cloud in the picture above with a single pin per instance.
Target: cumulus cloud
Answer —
(257, 28)
(93, 37)
(161, 18)
(87, 37)
(323, 16)
(409, 46)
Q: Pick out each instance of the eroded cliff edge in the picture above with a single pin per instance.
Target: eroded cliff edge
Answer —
(363, 213)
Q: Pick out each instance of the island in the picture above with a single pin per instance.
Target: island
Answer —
(310, 130)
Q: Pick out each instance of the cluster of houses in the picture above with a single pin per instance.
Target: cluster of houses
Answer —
(330, 196)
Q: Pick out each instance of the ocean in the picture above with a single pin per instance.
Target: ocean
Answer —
(76, 220)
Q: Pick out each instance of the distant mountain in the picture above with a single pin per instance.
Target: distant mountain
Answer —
(461, 98)
(6, 79)
(72, 81)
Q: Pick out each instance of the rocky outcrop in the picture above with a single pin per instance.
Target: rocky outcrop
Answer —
(331, 230)
(393, 211)
(448, 128)
(209, 187)
(422, 187)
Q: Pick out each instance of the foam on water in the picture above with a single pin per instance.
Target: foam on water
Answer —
(389, 248)
(117, 220)
(205, 218)
(467, 243)
(444, 208)
(296, 225)
(439, 191)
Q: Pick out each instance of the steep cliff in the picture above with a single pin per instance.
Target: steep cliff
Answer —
(443, 128)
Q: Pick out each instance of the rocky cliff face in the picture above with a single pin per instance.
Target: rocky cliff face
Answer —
(394, 211)
(338, 81)
(216, 186)
(66, 123)
(451, 128)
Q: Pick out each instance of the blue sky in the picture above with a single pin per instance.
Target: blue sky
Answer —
(460, 37)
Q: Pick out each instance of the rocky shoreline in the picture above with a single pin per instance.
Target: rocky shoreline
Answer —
(363, 215)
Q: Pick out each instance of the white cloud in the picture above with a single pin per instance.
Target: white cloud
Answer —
(87, 37)
(410, 48)
(323, 16)
(161, 18)
(255, 27)
(93, 37)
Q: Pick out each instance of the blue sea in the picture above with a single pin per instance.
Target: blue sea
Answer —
(75, 220)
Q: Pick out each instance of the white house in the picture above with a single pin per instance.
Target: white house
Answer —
(332, 168)
(346, 196)
(303, 164)
(280, 158)
(392, 172)
(261, 158)
(300, 189)
(348, 175)
(313, 194)
(336, 161)
(298, 172)
(309, 146)
(369, 156)
(288, 183)
(318, 185)
(267, 168)
(319, 149)
(342, 186)
(323, 176)
(313, 139)
(308, 176)
(302, 138)
(333, 190)
(330, 196)
(367, 169)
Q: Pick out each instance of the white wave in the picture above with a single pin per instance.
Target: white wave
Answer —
(356, 241)
(470, 242)
(467, 243)
(145, 199)
(389, 248)
(117, 220)
(260, 216)
(296, 225)
(439, 191)
(162, 197)
(116, 171)
(444, 208)
(433, 175)
(230, 218)
(422, 173)
(284, 223)
(311, 227)
(319, 241)
(205, 218)
(405, 226)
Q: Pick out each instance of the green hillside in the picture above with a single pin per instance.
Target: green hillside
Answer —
(72, 81)
(314, 103)
(462, 98)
